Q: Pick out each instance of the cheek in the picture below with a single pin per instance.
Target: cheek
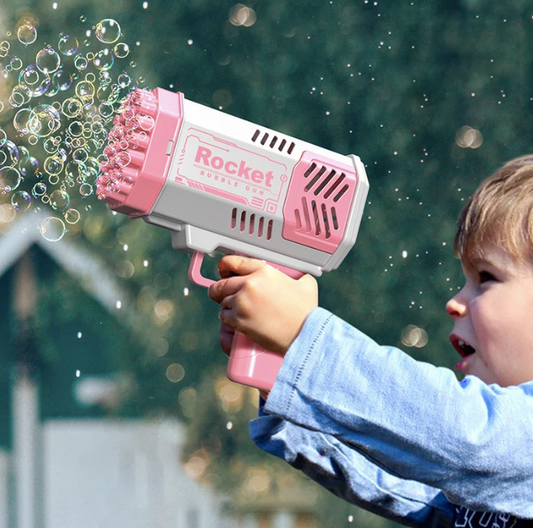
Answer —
(489, 322)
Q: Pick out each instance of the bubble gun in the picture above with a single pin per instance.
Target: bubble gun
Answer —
(220, 183)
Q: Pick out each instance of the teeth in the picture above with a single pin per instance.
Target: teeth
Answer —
(461, 343)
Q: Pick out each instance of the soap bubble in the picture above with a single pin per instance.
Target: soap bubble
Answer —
(22, 119)
(53, 165)
(21, 201)
(3, 137)
(39, 189)
(29, 76)
(121, 50)
(80, 62)
(29, 168)
(108, 31)
(104, 60)
(85, 90)
(48, 60)
(52, 229)
(20, 95)
(9, 179)
(71, 107)
(27, 34)
(9, 154)
(60, 199)
(72, 216)
(68, 45)
(15, 63)
(86, 190)
(45, 120)
(4, 48)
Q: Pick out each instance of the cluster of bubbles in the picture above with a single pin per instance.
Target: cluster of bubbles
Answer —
(127, 143)
(55, 116)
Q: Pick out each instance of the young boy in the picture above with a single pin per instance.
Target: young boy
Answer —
(398, 437)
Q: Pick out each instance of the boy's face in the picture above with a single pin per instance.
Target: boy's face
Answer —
(493, 319)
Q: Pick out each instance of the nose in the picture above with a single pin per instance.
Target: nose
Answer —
(456, 306)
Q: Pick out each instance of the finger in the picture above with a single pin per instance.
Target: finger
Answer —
(224, 288)
(231, 265)
(226, 334)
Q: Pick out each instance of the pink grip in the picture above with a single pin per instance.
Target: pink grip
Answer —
(249, 363)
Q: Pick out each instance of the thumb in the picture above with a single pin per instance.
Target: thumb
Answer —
(232, 265)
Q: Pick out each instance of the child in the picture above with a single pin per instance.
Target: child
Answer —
(398, 437)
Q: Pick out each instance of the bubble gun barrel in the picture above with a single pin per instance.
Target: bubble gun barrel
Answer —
(220, 183)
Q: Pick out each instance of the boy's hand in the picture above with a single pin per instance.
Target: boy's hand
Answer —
(262, 302)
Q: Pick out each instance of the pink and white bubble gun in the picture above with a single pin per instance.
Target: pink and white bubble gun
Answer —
(220, 183)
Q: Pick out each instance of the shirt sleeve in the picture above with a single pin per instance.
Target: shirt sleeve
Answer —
(351, 475)
(415, 421)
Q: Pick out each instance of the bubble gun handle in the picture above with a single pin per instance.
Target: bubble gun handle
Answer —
(249, 363)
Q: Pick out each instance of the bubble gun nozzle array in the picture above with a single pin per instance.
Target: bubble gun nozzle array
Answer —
(220, 183)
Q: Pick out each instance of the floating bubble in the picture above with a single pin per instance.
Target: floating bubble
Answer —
(3, 137)
(60, 199)
(45, 120)
(22, 120)
(37, 81)
(48, 60)
(124, 80)
(16, 63)
(108, 31)
(62, 80)
(52, 229)
(121, 50)
(21, 201)
(86, 190)
(80, 62)
(85, 90)
(68, 45)
(106, 110)
(39, 189)
(83, 18)
(104, 60)
(9, 154)
(53, 165)
(29, 168)
(75, 128)
(72, 216)
(27, 34)
(30, 76)
(71, 107)
(9, 179)
(20, 95)
(4, 48)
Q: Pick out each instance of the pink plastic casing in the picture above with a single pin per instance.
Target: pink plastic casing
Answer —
(318, 203)
(149, 164)
(249, 363)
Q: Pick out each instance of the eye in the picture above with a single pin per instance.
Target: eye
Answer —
(486, 276)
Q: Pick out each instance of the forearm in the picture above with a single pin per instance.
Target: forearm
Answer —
(414, 419)
(351, 475)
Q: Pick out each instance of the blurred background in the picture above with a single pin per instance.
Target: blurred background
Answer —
(114, 405)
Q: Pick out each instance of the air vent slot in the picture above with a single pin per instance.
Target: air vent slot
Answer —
(324, 178)
(251, 224)
(264, 140)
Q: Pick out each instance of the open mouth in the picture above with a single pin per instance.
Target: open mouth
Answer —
(463, 348)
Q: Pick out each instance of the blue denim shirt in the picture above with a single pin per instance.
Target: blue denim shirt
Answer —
(401, 438)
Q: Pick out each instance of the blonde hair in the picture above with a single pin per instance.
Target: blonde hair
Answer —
(500, 213)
